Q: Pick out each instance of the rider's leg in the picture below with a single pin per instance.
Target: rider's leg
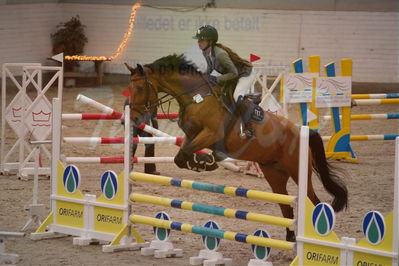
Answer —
(243, 86)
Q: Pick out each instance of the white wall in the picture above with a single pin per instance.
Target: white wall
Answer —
(25, 32)
(370, 38)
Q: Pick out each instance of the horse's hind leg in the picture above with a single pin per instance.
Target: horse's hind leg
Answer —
(293, 170)
(277, 178)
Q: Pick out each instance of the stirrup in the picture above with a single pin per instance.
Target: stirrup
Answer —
(242, 133)
(246, 133)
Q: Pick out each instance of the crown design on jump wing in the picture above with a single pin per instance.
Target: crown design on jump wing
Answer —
(41, 116)
(17, 112)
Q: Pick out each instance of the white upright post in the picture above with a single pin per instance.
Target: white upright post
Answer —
(55, 157)
(55, 148)
(302, 188)
(396, 205)
(127, 162)
(3, 119)
(22, 128)
(36, 175)
(126, 242)
(61, 77)
(35, 209)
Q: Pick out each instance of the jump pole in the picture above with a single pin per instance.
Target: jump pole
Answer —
(121, 140)
(368, 116)
(219, 189)
(188, 228)
(147, 128)
(135, 160)
(363, 102)
(215, 210)
(99, 106)
(367, 137)
(110, 117)
(376, 96)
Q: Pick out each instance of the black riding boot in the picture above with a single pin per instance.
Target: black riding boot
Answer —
(244, 107)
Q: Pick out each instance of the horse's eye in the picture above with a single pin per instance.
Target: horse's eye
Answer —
(140, 88)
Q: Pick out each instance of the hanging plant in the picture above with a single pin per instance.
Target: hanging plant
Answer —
(70, 39)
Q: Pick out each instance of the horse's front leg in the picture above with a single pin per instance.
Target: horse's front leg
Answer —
(187, 158)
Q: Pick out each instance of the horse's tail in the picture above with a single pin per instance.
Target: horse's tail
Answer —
(327, 174)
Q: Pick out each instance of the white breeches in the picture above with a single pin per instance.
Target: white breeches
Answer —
(244, 85)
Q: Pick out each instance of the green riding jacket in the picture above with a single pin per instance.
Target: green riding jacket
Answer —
(220, 61)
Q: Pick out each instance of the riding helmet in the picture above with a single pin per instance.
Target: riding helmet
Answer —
(208, 33)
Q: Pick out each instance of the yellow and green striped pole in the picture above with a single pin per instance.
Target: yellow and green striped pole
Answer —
(188, 228)
(221, 211)
(227, 190)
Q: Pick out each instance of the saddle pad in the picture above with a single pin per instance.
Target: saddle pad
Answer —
(257, 114)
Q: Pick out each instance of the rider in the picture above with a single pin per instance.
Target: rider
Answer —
(230, 66)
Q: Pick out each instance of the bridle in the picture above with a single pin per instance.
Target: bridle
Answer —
(149, 87)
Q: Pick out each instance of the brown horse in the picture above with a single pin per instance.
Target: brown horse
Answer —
(207, 124)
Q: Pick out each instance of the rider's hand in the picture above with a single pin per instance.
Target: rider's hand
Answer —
(213, 79)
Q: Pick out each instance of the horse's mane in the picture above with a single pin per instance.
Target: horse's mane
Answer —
(174, 63)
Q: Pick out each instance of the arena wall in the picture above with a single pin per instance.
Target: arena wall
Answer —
(278, 36)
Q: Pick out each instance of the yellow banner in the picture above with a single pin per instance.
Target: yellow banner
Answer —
(70, 214)
(108, 220)
(320, 255)
(360, 259)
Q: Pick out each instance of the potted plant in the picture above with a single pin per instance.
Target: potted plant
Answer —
(69, 39)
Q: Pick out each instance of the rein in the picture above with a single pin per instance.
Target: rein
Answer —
(148, 105)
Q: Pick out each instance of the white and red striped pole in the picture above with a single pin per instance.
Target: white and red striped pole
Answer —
(99, 106)
(109, 117)
(108, 112)
(121, 140)
(117, 160)
(90, 117)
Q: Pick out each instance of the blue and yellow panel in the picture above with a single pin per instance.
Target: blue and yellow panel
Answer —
(317, 254)
(110, 220)
(385, 244)
(69, 213)
(68, 181)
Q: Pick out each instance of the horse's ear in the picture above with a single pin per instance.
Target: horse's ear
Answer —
(131, 69)
(140, 70)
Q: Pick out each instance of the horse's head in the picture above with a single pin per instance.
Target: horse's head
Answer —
(143, 94)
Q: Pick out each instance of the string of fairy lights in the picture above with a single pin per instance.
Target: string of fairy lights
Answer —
(121, 47)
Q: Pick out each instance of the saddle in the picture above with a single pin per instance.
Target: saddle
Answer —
(250, 103)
